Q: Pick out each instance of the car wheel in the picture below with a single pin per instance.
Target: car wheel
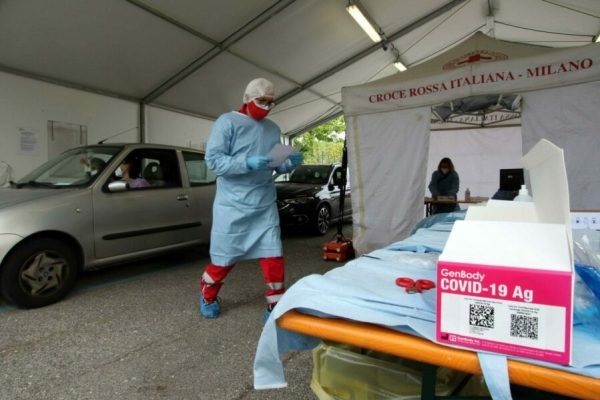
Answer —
(38, 272)
(323, 220)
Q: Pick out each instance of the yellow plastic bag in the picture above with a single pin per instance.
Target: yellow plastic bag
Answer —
(342, 372)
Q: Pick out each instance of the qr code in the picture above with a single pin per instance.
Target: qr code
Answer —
(523, 326)
(480, 315)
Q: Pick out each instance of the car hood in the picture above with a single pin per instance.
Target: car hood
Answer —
(11, 196)
(288, 190)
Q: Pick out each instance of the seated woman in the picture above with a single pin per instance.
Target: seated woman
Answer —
(444, 182)
(130, 170)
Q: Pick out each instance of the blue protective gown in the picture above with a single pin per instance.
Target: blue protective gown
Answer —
(245, 218)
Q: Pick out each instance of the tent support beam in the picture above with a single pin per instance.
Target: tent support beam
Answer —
(216, 50)
(71, 85)
(200, 35)
(172, 21)
(182, 111)
(346, 63)
(142, 122)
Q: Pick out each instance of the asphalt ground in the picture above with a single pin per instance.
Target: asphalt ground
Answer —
(134, 332)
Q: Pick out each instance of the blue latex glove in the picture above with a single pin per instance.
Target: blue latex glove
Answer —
(296, 159)
(258, 163)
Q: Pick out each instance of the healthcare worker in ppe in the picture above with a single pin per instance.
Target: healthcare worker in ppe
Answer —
(245, 218)
(444, 182)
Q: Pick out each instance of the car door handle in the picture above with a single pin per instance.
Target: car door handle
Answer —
(182, 197)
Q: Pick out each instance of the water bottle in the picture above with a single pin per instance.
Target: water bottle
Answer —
(467, 195)
(523, 195)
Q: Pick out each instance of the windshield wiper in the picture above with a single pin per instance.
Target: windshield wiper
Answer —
(19, 185)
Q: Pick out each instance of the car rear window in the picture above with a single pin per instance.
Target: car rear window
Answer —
(197, 170)
(312, 174)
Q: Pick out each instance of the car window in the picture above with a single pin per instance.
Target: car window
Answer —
(281, 177)
(197, 170)
(312, 174)
(337, 177)
(149, 169)
(76, 167)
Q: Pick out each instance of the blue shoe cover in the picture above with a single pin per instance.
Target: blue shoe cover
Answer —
(266, 315)
(210, 310)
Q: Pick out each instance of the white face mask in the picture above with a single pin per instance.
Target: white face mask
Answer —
(119, 172)
(445, 170)
(93, 172)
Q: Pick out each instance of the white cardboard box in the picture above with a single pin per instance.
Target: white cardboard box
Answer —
(505, 277)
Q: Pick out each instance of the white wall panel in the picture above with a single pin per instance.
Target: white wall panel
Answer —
(27, 105)
(30, 104)
(167, 127)
(478, 155)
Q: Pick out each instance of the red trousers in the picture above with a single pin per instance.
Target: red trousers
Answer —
(273, 272)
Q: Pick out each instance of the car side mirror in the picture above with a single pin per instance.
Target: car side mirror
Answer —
(331, 186)
(117, 186)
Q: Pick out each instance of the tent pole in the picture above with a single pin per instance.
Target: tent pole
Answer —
(142, 122)
(340, 235)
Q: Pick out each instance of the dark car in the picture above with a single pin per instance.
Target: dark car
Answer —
(310, 197)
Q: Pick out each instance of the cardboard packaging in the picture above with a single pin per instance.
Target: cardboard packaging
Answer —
(505, 277)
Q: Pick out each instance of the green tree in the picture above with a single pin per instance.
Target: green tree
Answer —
(324, 143)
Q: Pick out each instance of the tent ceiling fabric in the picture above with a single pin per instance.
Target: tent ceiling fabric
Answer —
(197, 56)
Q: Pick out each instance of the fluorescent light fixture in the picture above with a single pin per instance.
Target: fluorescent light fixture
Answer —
(401, 67)
(364, 23)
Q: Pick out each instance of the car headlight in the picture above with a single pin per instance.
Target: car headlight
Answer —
(298, 200)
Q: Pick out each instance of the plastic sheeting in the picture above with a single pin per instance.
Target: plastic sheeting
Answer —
(364, 290)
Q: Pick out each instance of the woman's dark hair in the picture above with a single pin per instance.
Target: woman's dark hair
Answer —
(134, 166)
(446, 161)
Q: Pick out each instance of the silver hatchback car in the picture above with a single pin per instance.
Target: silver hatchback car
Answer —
(98, 205)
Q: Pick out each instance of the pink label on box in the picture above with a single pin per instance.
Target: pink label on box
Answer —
(516, 311)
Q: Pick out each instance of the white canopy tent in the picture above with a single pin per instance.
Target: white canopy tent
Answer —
(388, 124)
(195, 57)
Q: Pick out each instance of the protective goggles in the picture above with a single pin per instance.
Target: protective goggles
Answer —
(264, 104)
